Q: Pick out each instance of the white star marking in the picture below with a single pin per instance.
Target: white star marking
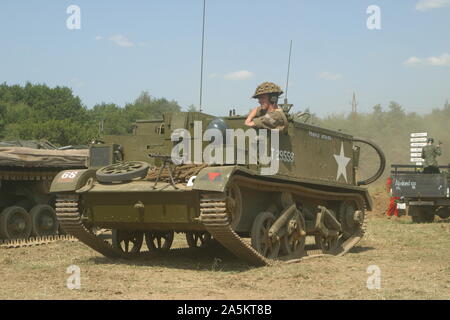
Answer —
(342, 162)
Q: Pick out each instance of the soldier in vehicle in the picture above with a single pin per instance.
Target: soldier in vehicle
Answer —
(268, 115)
(429, 154)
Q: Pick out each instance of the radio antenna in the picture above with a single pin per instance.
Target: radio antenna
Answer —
(203, 48)
(286, 106)
(289, 68)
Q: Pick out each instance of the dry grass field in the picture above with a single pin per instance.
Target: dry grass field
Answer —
(414, 260)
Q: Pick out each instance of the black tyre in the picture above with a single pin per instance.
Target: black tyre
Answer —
(15, 223)
(43, 220)
(123, 171)
(443, 213)
(421, 214)
(260, 236)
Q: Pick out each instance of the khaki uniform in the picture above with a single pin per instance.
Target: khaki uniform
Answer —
(429, 154)
(270, 120)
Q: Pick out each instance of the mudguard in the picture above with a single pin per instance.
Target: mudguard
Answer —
(71, 180)
(214, 178)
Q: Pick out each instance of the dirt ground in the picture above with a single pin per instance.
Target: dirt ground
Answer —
(413, 260)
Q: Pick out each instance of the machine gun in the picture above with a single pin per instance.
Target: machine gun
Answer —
(167, 161)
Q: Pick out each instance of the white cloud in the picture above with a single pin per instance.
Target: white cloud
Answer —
(98, 37)
(330, 76)
(413, 61)
(121, 40)
(424, 5)
(442, 61)
(239, 75)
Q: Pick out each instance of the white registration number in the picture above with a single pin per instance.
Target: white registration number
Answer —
(401, 206)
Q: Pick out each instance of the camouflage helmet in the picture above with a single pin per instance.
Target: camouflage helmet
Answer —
(267, 88)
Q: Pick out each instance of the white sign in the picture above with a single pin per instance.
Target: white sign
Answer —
(418, 144)
(419, 134)
(419, 139)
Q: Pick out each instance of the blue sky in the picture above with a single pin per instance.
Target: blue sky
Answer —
(125, 47)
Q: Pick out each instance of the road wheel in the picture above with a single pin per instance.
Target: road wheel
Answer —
(351, 219)
(261, 241)
(129, 242)
(421, 214)
(198, 239)
(293, 243)
(159, 240)
(43, 220)
(328, 245)
(15, 223)
(234, 204)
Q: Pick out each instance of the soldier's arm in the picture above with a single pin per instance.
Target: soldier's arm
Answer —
(249, 121)
(437, 150)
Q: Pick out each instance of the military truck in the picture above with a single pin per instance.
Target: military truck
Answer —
(422, 196)
(137, 187)
(27, 169)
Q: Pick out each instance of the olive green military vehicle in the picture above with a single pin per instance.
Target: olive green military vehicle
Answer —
(313, 203)
(27, 169)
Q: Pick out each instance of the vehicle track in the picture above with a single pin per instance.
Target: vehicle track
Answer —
(215, 217)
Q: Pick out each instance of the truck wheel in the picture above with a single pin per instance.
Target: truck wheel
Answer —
(43, 220)
(123, 171)
(15, 223)
(421, 214)
(443, 213)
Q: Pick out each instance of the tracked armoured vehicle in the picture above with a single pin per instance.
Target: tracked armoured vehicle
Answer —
(314, 203)
(27, 168)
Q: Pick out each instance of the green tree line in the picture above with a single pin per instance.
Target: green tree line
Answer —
(35, 111)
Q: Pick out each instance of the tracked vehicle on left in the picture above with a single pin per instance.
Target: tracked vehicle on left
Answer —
(27, 168)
